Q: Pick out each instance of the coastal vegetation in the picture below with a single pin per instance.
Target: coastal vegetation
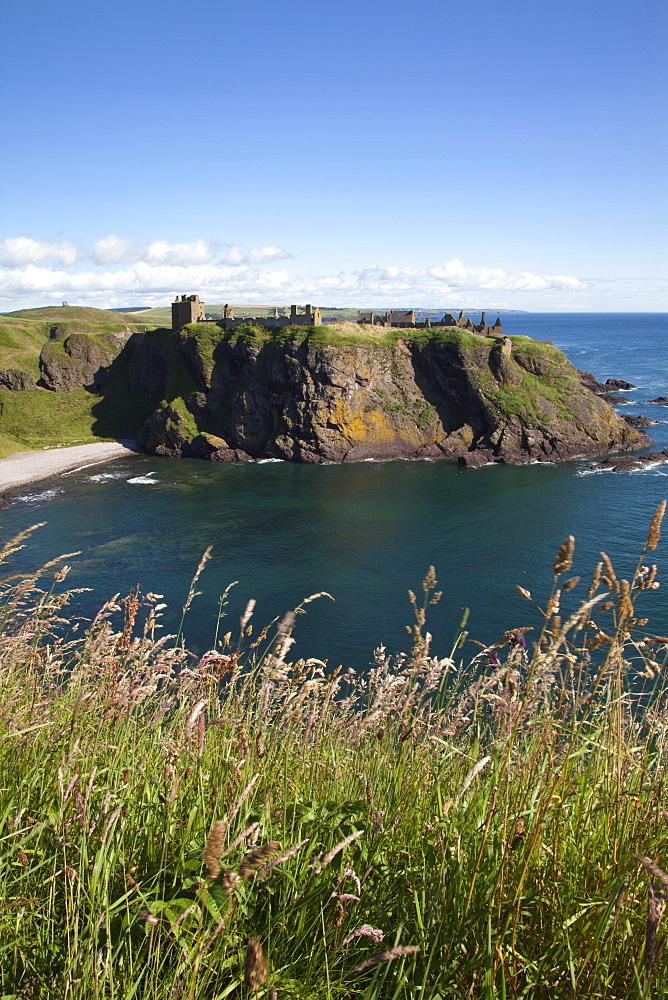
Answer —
(37, 418)
(481, 821)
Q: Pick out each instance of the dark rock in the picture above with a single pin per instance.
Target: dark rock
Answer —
(230, 399)
(640, 421)
(475, 459)
(619, 383)
(632, 463)
(661, 400)
(592, 383)
(602, 389)
(612, 399)
(70, 361)
(16, 380)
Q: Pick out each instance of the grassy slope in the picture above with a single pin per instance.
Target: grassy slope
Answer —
(38, 418)
(488, 817)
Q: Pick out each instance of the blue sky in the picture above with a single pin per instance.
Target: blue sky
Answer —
(459, 153)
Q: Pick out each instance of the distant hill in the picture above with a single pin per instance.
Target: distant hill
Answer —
(129, 309)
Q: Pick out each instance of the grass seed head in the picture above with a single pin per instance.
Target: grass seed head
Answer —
(257, 857)
(255, 966)
(228, 880)
(654, 533)
(214, 846)
(388, 956)
(564, 558)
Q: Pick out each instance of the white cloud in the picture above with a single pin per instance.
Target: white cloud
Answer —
(179, 254)
(454, 274)
(150, 282)
(20, 251)
(122, 272)
(262, 256)
(114, 250)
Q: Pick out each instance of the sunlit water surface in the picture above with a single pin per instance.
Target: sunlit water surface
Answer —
(363, 532)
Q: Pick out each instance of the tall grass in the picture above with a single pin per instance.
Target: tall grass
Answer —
(247, 825)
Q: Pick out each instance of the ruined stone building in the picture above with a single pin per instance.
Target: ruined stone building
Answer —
(405, 319)
(464, 323)
(310, 317)
(186, 309)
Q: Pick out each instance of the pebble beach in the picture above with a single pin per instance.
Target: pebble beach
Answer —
(31, 466)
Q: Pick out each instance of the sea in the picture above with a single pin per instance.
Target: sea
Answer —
(364, 533)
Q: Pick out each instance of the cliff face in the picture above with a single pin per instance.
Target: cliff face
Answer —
(453, 395)
(71, 360)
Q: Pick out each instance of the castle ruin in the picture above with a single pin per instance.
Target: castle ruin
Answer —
(186, 309)
(405, 320)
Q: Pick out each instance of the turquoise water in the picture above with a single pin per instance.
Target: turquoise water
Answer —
(364, 532)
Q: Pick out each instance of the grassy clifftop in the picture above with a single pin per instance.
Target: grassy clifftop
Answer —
(36, 418)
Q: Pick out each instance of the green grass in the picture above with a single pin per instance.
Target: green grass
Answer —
(498, 818)
(38, 418)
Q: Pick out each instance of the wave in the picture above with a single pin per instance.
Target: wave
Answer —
(103, 477)
(41, 496)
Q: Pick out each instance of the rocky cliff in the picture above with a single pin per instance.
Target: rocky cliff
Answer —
(324, 395)
(74, 358)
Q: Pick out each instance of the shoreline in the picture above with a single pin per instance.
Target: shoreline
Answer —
(25, 467)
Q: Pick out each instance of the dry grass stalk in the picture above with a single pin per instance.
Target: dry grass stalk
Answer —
(282, 857)
(212, 850)
(475, 770)
(195, 713)
(366, 930)
(248, 832)
(656, 907)
(564, 558)
(595, 580)
(245, 618)
(653, 869)
(257, 857)
(654, 533)
(388, 956)
(255, 966)
(329, 857)
(242, 798)
(192, 593)
(228, 880)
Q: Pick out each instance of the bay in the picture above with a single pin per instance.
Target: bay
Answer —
(364, 532)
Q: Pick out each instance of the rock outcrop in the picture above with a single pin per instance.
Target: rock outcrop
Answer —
(639, 421)
(70, 360)
(633, 463)
(455, 396)
(16, 380)
(605, 389)
(619, 383)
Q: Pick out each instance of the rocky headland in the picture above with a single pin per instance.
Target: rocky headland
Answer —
(309, 398)
(331, 393)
